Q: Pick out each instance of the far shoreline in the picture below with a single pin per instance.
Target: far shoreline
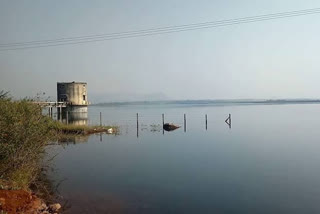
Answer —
(212, 102)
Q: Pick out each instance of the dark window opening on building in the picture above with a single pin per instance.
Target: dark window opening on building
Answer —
(84, 97)
(63, 98)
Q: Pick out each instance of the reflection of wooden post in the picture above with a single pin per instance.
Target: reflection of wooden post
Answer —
(185, 123)
(206, 122)
(100, 119)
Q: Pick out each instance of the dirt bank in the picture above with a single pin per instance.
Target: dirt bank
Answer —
(21, 201)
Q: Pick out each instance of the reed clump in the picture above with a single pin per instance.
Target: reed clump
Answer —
(66, 129)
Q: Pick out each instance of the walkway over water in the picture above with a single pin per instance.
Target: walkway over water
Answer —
(52, 104)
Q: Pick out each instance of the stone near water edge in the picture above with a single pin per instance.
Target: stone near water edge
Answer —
(170, 127)
(55, 207)
(43, 207)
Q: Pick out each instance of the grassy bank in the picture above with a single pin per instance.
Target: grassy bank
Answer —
(24, 133)
(62, 128)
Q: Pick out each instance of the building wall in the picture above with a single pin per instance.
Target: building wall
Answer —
(75, 93)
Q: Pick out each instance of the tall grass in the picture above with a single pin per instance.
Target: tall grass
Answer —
(24, 132)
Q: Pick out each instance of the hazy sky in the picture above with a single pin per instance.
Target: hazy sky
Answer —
(270, 59)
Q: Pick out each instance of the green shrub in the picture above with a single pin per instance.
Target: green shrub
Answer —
(24, 132)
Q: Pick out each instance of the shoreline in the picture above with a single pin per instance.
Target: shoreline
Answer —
(25, 132)
(25, 200)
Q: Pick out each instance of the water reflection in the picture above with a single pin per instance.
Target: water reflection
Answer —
(71, 117)
(74, 139)
(257, 167)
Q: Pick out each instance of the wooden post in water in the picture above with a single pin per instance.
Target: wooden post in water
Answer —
(206, 122)
(162, 123)
(100, 119)
(228, 121)
(137, 125)
(162, 119)
(185, 123)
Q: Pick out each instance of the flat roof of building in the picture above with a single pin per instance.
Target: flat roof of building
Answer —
(71, 82)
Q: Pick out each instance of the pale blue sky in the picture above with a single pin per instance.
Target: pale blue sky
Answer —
(270, 59)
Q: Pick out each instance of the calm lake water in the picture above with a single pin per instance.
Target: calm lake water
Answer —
(268, 162)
